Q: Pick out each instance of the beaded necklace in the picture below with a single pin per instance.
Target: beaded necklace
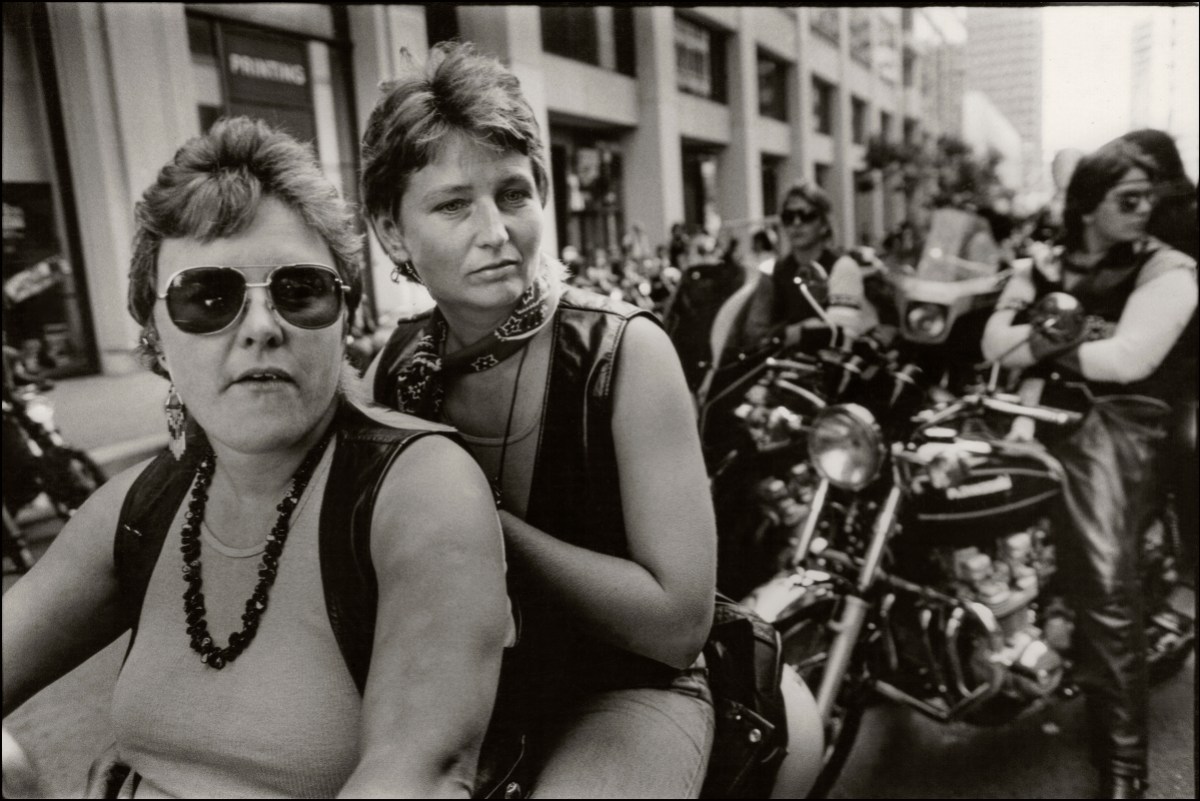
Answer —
(193, 596)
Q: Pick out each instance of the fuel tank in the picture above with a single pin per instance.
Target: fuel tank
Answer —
(996, 494)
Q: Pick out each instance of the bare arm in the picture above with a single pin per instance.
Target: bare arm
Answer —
(1002, 340)
(1151, 322)
(442, 623)
(65, 608)
(658, 603)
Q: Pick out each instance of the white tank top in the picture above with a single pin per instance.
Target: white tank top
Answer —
(280, 721)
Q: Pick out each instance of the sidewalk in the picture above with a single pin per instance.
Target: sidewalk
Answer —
(117, 419)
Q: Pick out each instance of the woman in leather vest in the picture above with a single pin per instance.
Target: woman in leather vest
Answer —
(576, 408)
(245, 273)
(1139, 296)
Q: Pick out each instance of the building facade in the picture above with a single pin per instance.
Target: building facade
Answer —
(1004, 62)
(651, 115)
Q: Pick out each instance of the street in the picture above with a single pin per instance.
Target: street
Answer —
(899, 754)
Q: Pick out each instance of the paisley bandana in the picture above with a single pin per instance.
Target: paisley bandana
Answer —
(420, 381)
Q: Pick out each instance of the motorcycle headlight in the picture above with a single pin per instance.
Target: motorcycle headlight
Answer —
(845, 446)
(926, 319)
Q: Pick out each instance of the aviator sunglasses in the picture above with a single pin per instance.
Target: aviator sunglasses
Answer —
(209, 299)
(803, 216)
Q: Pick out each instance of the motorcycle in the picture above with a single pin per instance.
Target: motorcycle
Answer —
(37, 461)
(920, 557)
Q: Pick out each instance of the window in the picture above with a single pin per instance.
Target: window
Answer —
(860, 35)
(625, 41)
(772, 88)
(885, 126)
(699, 60)
(825, 21)
(822, 173)
(910, 131)
(441, 23)
(823, 106)
(771, 168)
(858, 121)
(570, 31)
(887, 52)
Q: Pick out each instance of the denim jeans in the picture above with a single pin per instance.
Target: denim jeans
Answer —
(636, 743)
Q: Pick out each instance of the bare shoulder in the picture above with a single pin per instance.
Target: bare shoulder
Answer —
(434, 495)
(102, 511)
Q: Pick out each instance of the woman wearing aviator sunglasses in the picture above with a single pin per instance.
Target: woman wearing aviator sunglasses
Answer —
(237, 556)
(1139, 295)
(808, 275)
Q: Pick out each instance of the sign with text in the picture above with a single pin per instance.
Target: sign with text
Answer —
(265, 69)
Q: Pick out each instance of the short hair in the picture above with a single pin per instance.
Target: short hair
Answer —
(213, 188)
(1095, 174)
(814, 196)
(456, 91)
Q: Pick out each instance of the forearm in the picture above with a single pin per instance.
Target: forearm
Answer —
(615, 600)
(389, 776)
(1005, 342)
(1152, 321)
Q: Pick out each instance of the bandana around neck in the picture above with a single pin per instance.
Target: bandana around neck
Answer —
(421, 379)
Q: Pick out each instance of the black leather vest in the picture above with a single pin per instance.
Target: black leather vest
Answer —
(1103, 293)
(575, 494)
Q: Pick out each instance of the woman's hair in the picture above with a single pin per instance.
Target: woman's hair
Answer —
(456, 91)
(213, 188)
(814, 196)
(1161, 149)
(1094, 176)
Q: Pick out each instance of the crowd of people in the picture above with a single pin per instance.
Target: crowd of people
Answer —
(516, 485)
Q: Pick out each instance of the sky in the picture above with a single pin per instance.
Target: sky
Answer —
(1086, 74)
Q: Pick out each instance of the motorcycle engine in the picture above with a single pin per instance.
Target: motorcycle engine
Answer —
(1006, 579)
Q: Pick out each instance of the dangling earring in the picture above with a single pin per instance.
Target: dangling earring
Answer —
(405, 269)
(176, 422)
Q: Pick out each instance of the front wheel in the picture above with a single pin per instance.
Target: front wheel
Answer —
(806, 641)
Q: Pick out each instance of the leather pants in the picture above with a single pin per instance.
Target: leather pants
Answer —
(1110, 496)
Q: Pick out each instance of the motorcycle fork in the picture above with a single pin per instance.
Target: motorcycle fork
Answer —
(848, 627)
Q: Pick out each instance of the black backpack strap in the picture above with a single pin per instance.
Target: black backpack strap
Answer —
(146, 515)
(365, 452)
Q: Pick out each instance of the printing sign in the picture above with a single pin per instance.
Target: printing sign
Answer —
(265, 69)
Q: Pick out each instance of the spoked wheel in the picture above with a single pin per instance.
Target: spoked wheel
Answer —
(806, 640)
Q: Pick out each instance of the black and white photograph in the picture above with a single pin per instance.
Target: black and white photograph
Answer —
(600, 401)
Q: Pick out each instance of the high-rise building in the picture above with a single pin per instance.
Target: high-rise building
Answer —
(1004, 62)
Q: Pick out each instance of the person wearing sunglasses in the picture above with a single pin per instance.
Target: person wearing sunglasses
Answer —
(576, 407)
(1139, 295)
(808, 285)
(245, 271)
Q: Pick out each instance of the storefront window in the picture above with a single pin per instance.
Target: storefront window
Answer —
(588, 189)
(46, 316)
(296, 83)
(700, 190)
